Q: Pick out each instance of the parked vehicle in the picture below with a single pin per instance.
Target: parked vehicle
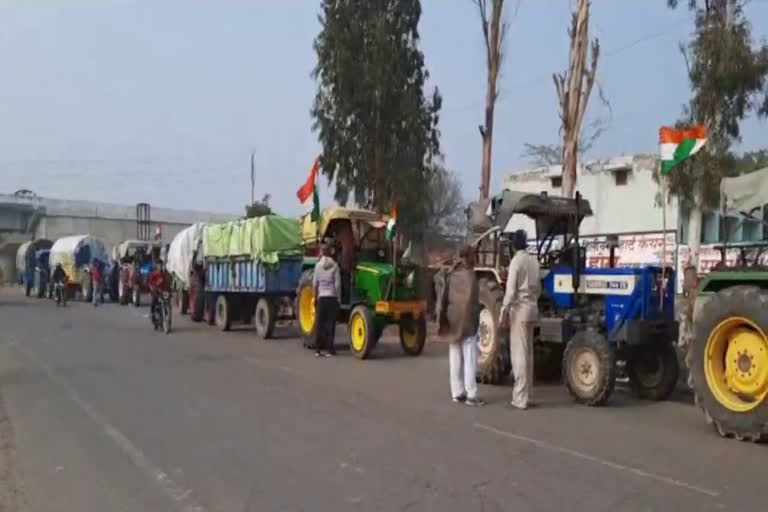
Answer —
(251, 271)
(75, 253)
(378, 287)
(137, 259)
(727, 357)
(181, 263)
(28, 259)
(590, 318)
(161, 316)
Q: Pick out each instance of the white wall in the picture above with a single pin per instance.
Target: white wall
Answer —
(617, 209)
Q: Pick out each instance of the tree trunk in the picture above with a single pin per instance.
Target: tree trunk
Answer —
(488, 138)
(570, 161)
(694, 247)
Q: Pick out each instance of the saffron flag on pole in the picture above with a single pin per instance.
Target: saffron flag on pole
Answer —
(678, 145)
(309, 191)
(392, 223)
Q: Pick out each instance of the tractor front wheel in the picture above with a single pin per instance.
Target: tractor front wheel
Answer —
(728, 362)
(362, 331)
(493, 363)
(589, 368)
(653, 370)
(305, 310)
(413, 334)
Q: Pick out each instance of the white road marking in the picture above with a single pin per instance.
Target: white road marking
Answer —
(178, 493)
(597, 460)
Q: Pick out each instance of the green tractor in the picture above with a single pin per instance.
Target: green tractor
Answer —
(378, 287)
(727, 357)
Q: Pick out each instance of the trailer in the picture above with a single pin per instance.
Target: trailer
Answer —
(75, 254)
(251, 270)
(183, 265)
(28, 259)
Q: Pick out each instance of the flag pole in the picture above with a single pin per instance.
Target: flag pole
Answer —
(662, 287)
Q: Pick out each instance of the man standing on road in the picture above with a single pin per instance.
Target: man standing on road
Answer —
(326, 283)
(462, 315)
(521, 301)
(97, 282)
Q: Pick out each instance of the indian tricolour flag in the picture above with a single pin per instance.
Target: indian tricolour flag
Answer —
(677, 145)
(392, 223)
(309, 191)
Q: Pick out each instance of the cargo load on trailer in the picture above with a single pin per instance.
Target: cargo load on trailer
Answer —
(75, 254)
(181, 264)
(251, 269)
(32, 266)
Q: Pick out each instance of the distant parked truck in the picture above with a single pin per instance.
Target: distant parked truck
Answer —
(27, 262)
(181, 263)
(75, 254)
(251, 271)
(137, 259)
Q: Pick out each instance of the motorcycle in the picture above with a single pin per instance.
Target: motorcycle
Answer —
(161, 316)
(60, 292)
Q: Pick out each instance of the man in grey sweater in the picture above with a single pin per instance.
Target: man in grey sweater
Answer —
(326, 283)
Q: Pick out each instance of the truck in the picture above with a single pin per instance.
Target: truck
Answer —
(379, 286)
(590, 319)
(184, 268)
(251, 270)
(75, 254)
(727, 355)
(31, 259)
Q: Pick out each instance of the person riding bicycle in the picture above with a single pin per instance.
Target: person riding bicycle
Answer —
(159, 281)
(59, 276)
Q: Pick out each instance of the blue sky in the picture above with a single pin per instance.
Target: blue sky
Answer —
(163, 101)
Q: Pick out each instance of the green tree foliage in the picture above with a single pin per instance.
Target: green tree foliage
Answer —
(378, 131)
(445, 215)
(259, 208)
(728, 74)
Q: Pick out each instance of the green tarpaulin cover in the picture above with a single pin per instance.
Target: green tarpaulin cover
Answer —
(263, 238)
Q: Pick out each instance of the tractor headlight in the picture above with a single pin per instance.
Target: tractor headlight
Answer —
(410, 279)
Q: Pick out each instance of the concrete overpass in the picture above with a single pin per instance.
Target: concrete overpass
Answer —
(25, 216)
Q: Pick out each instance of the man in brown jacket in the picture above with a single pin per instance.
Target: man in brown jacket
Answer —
(462, 317)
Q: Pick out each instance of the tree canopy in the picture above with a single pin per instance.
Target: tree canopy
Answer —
(259, 208)
(378, 131)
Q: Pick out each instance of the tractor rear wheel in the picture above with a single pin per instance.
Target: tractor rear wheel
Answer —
(653, 370)
(589, 368)
(493, 363)
(728, 362)
(305, 310)
(413, 334)
(223, 312)
(362, 331)
(264, 318)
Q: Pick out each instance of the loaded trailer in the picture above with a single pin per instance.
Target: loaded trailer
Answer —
(250, 272)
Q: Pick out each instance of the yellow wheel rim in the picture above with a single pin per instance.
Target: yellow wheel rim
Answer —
(357, 332)
(736, 364)
(411, 337)
(306, 309)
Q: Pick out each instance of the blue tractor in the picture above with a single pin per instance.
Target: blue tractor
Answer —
(591, 320)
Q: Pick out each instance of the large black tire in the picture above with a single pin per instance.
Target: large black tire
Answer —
(223, 312)
(362, 331)
(184, 306)
(739, 302)
(264, 318)
(493, 363)
(413, 334)
(306, 317)
(589, 368)
(653, 370)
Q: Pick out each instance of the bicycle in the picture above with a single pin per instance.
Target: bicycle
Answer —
(161, 316)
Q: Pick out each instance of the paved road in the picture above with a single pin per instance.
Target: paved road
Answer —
(100, 413)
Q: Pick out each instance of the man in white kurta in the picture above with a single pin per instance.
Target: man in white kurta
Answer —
(520, 301)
